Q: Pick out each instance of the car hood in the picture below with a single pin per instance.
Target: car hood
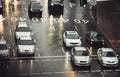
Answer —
(26, 47)
(82, 58)
(23, 34)
(2, 52)
(73, 40)
(110, 59)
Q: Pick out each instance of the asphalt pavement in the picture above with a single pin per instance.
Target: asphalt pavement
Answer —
(108, 16)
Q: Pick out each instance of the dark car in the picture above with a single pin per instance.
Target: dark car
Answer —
(35, 9)
(56, 6)
(94, 37)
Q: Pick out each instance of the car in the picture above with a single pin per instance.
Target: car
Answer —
(26, 46)
(4, 50)
(22, 29)
(55, 6)
(35, 9)
(94, 38)
(71, 39)
(107, 57)
(80, 56)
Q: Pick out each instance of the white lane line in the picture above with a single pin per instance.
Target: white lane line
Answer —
(107, 70)
(14, 53)
(44, 73)
(84, 71)
(46, 60)
(117, 70)
(59, 72)
(34, 73)
(57, 59)
(66, 11)
(95, 70)
(63, 50)
(39, 55)
(22, 74)
(10, 32)
(76, 28)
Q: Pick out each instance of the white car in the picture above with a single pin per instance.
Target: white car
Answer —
(71, 39)
(22, 29)
(80, 56)
(107, 57)
(26, 45)
(4, 50)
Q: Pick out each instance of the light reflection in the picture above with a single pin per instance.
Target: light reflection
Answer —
(15, 6)
(7, 2)
(1, 26)
(31, 65)
(21, 65)
(91, 50)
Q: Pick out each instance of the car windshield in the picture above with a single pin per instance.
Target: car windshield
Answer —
(23, 29)
(3, 46)
(36, 5)
(26, 42)
(109, 54)
(73, 36)
(81, 53)
(56, 0)
(94, 34)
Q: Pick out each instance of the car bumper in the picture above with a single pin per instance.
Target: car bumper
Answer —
(110, 65)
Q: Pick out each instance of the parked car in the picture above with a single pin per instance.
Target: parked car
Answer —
(94, 37)
(35, 9)
(4, 50)
(80, 56)
(71, 39)
(22, 29)
(56, 6)
(26, 45)
(107, 57)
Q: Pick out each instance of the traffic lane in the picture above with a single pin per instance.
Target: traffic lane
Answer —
(51, 66)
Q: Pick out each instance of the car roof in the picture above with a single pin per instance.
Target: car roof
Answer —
(22, 24)
(71, 32)
(26, 38)
(80, 48)
(107, 49)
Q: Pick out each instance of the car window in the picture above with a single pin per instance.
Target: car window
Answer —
(26, 42)
(3, 46)
(109, 54)
(36, 5)
(24, 29)
(81, 53)
(73, 36)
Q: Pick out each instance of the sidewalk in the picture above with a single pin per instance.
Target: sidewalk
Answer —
(108, 21)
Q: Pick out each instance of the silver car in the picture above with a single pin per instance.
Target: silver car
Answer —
(80, 56)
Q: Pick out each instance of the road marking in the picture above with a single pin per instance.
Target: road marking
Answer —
(14, 52)
(95, 70)
(10, 32)
(34, 73)
(47, 73)
(22, 74)
(76, 28)
(117, 70)
(46, 60)
(59, 72)
(107, 70)
(57, 59)
(63, 50)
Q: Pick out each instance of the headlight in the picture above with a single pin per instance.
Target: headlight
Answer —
(52, 4)
(31, 9)
(92, 40)
(61, 4)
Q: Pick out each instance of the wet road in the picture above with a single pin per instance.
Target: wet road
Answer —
(51, 57)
